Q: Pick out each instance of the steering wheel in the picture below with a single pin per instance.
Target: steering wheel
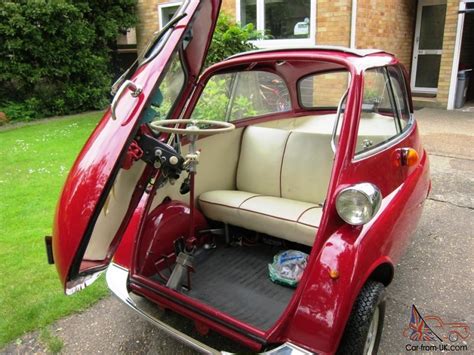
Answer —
(192, 128)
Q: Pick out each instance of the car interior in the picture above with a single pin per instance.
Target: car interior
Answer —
(261, 187)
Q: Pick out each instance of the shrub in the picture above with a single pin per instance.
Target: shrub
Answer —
(229, 38)
(55, 55)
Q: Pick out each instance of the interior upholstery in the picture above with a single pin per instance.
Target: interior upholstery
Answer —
(261, 155)
(282, 178)
(306, 167)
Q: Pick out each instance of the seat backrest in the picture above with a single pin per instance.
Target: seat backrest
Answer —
(261, 155)
(306, 167)
(292, 165)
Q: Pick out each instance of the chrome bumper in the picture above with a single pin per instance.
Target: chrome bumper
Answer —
(117, 279)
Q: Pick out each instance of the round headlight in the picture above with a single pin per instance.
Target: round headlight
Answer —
(357, 204)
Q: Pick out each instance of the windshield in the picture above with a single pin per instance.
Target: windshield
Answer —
(167, 94)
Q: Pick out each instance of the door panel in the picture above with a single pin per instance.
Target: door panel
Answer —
(96, 176)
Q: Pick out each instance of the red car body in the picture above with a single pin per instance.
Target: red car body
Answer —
(341, 260)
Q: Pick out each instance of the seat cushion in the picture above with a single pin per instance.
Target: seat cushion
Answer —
(306, 167)
(283, 218)
(260, 160)
(223, 205)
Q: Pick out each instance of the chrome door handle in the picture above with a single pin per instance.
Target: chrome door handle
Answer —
(136, 90)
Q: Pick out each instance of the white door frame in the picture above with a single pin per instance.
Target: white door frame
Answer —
(417, 52)
(457, 53)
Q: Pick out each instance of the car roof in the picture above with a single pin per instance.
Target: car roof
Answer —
(341, 49)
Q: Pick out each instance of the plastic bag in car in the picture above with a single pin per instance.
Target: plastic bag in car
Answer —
(287, 267)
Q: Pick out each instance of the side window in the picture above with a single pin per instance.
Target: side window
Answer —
(234, 96)
(378, 122)
(400, 93)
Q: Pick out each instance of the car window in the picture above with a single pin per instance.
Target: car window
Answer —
(323, 90)
(400, 94)
(378, 122)
(167, 93)
(234, 96)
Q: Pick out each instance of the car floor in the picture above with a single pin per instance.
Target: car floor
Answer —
(234, 280)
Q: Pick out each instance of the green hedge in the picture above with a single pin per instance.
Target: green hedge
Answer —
(55, 55)
(229, 38)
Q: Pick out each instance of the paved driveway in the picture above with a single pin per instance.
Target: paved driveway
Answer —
(436, 274)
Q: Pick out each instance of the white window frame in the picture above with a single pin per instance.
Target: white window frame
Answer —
(278, 43)
(164, 6)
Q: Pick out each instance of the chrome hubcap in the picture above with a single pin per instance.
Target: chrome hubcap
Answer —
(372, 334)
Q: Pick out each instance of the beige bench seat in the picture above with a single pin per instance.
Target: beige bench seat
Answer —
(280, 217)
(281, 181)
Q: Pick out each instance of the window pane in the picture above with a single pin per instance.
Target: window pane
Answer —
(167, 13)
(287, 19)
(230, 97)
(167, 94)
(427, 70)
(400, 93)
(378, 119)
(432, 26)
(323, 90)
(248, 12)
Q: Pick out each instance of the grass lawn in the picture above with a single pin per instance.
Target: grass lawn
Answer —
(34, 162)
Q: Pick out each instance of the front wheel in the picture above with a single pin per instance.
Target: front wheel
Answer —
(364, 327)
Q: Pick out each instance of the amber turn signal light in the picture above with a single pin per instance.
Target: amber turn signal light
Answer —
(411, 157)
(406, 157)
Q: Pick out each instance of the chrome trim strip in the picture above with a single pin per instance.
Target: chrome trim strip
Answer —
(117, 281)
(336, 124)
(394, 140)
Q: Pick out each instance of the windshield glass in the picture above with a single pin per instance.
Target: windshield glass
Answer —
(168, 92)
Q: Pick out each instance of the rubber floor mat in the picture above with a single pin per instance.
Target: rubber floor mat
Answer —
(235, 280)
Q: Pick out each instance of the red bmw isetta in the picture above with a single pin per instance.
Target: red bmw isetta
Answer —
(192, 182)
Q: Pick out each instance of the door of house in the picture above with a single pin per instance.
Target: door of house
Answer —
(428, 46)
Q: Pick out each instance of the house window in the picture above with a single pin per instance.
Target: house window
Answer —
(167, 11)
(283, 22)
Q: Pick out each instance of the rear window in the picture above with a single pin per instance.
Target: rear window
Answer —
(323, 90)
(239, 95)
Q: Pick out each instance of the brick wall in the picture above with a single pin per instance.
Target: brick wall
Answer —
(449, 40)
(333, 26)
(387, 25)
(147, 12)
(228, 7)
(148, 23)
(333, 21)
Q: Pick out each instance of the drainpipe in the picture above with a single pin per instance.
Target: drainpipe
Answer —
(353, 24)
(457, 54)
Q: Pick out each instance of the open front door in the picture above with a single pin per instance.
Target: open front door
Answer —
(428, 46)
(87, 228)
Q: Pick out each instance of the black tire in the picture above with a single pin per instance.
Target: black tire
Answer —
(370, 298)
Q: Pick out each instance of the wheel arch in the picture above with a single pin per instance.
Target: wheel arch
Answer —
(383, 273)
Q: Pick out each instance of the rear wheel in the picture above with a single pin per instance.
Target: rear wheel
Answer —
(364, 327)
